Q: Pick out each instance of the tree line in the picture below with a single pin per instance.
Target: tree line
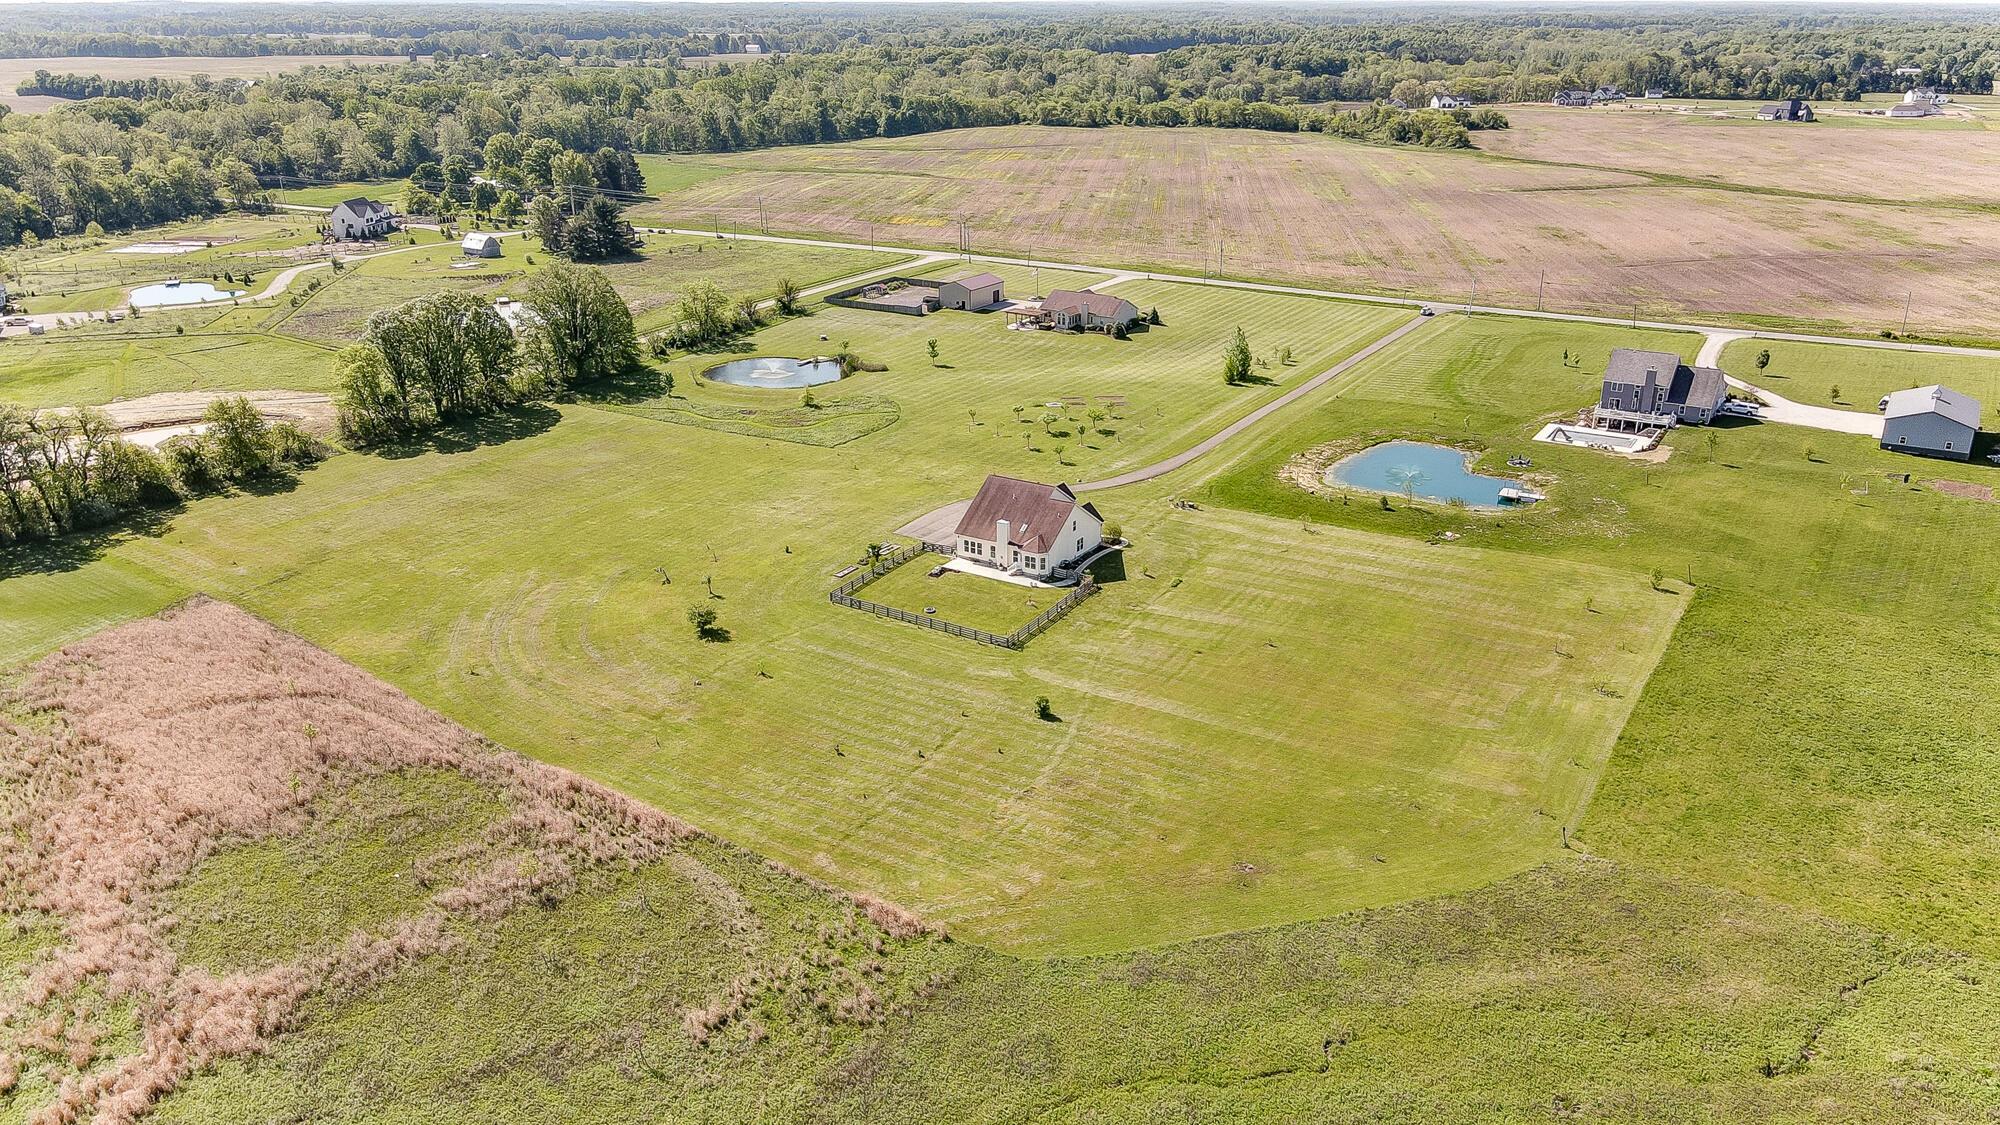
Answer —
(448, 356)
(64, 471)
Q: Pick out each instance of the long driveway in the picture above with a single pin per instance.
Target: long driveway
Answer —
(1778, 408)
(1161, 468)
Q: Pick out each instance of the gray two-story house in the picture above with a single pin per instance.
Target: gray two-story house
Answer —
(1933, 421)
(1646, 390)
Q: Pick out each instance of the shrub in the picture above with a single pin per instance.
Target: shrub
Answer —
(1044, 712)
(1112, 531)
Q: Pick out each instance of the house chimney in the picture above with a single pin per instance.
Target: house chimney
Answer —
(1649, 399)
(1000, 535)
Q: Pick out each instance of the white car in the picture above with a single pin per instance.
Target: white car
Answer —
(1884, 404)
(1426, 311)
(1740, 407)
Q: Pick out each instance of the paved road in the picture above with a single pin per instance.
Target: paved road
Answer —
(1373, 298)
(1161, 468)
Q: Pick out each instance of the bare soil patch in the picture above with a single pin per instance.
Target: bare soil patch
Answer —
(1964, 490)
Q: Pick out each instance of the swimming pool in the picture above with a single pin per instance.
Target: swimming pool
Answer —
(180, 293)
(775, 372)
(1420, 470)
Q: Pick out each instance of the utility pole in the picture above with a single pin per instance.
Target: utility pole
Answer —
(1906, 310)
(762, 224)
(871, 236)
(1539, 283)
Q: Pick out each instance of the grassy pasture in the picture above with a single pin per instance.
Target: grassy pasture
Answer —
(651, 283)
(697, 975)
(1810, 372)
(1574, 233)
(144, 357)
(971, 600)
(1789, 744)
(88, 275)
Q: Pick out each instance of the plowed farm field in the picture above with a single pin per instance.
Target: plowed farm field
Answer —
(1656, 232)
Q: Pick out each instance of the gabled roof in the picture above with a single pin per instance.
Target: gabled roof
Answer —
(1963, 409)
(365, 207)
(1628, 366)
(976, 281)
(476, 239)
(1035, 513)
(1077, 300)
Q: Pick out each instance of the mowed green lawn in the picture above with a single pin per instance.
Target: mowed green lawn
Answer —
(87, 275)
(536, 589)
(1810, 373)
(1006, 401)
(1810, 733)
(651, 283)
(77, 368)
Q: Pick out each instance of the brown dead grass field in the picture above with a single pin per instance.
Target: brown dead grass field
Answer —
(129, 759)
(1875, 159)
(1316, 210)
(12, 71)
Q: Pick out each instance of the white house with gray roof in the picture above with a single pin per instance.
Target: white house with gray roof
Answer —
(1931, 421)
(1648, 390)
(358, 218)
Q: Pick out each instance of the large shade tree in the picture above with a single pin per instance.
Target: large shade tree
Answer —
(579, 328)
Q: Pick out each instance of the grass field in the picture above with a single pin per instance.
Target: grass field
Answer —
(146, 357)
(1786, 745)
(971, 600)
(1571, 233)
(340, 882)
(651, 283)
(1811, 372)
(89, 275)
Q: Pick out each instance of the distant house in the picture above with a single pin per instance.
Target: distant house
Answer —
(480, 245)
(1450, 101)
(1908, 71)
(1647, 390)
(1573, 98)
(1607, 94)
(1028, 528)
(1931, 421)
(1926, 95)
(1791, 109)
(1396, 103)
(1081, 310)
(1655, 92)
(360, 218)
(1913, 109)
(975, 292)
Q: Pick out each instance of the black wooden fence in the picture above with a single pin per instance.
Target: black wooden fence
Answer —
(843, 594)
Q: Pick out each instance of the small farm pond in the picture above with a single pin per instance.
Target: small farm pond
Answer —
(775, 372)
(1420, 470)
(180, 293)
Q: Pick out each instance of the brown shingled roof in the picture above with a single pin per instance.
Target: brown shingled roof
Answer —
(1035, 513)
(1072, 300)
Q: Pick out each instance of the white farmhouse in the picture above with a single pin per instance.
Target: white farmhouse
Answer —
(1021, 526)
(360, 218)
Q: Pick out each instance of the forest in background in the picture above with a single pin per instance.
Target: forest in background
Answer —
(586, 80)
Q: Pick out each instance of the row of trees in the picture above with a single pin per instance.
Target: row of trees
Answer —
(595, 232)
(63, 471)
(448, 356)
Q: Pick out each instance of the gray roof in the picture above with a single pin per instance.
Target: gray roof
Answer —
(1963, 409)
(1683, 384)
(363, 206)
(976, 281)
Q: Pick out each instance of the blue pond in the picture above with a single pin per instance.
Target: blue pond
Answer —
(180, 293)
(776, 372)
(1411, 468)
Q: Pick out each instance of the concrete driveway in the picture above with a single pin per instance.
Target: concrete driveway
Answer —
(1778, 408)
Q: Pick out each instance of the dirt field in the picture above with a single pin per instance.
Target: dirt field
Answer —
(12, 71)
(1448, 225)
(1845, 154)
